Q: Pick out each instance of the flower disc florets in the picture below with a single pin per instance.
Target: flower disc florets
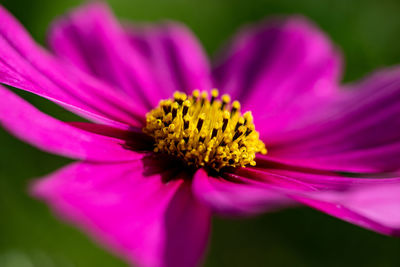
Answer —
(204, 132)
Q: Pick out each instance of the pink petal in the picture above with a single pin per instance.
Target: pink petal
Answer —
(26, 122)
(25, 65)
(282, 70)
(174, 55)
(228, 197)
(148, 64)
(92, 39)
(131, 211)
(308, 179)
(372, 203)
(359, 134)
(375, 207)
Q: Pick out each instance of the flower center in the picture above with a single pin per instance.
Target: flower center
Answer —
(204, 132)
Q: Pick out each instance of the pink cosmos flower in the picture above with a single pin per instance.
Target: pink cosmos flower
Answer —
(154, 210)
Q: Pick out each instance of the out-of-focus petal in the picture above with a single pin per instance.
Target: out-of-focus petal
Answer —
(372, 203)
(148, 63)
(309, 179)
(132, 210)
(375, 207)
(282, 70)
(359, 134)
(25, 65)
(227, 197)
(175, 56)
(92, 39)
(49, 134)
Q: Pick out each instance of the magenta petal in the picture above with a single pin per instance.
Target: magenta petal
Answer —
(308, 179)
(361, 133)
(92, 39)
(282, 70)
(148, 64)
(148, 221)
(229, 198)
(374, 207)
(25, 65)
(49, 134)
(176, 57)
(372, 203)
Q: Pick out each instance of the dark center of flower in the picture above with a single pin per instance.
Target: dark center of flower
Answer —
(204, 132)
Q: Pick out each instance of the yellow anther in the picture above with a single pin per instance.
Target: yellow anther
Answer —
(186, 106)
(175, 105)
(226, 98)
(178, 97)
(175, 108)
(235, 107)
(200, 122)
(183, 96)
(248, 117)
(226, 114)
(195, 94)
(212, 134)
(239, 123)
(214, 93)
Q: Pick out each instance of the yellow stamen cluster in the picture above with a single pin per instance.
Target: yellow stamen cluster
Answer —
(203, 131)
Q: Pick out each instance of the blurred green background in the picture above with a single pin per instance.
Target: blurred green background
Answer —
(368, 33)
